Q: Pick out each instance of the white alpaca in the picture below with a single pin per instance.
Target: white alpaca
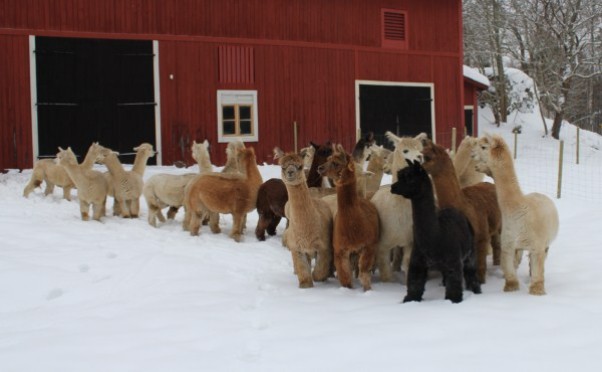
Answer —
(395, 211)
(49, 171)
(91, 185)
(464, 164)
(529, 222)
(376, 165)
(309, 231)
(126, 186)
(167, 190)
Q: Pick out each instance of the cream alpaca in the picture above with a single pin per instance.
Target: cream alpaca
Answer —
(91, 185)
(395, 211)
(464, 164)
(529, 222)
(167, 190)
(49, 171)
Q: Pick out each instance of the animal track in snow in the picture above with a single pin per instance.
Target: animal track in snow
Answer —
(55, 293)
(83, 268)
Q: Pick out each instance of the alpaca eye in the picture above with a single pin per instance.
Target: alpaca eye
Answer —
(483, 147)
(406, 151)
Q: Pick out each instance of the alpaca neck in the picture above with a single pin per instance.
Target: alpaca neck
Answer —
(375, 165)
(140, 163)
(114, 165)
(347, 192)
(204, 165)
(299, 199)
(424, 213)
(75, 173)
(507, 187)
(89, 159)
(447, 185)
(253, 175)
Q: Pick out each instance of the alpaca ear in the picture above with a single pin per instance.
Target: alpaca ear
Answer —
(392, 137)
(61, 149)
(206, 143)
(314, 145)
(278, 153)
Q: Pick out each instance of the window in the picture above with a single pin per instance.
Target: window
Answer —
(237, 115)
(394, 28)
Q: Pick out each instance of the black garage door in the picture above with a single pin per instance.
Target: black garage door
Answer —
(94, 90)
(403, 110)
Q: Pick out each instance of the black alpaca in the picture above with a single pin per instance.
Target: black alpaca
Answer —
(443, 239)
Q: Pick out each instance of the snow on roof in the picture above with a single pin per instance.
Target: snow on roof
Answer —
(475, 75)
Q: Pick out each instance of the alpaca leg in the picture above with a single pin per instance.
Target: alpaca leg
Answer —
(49, 188)
(116, 207)
(397, 258)
(508, 259)
(417, 273)
(152, 215)
(186, 221)
(470, 275)
(481, 244)
(195, 223)
(405, 263)
(302, 269)
(341, 262)
(271, 229)
(236, 232)
(263, 222)
(496, 248)
(84, 208)
(453, 285)
(159, 215)
(171, 213)
(124, 208)
(244, 222)
(67, 193)
(323, 264)
(383, 261)
(97, 210)
(135, 207)
(214, 222)
(537, 261)
(366, 262)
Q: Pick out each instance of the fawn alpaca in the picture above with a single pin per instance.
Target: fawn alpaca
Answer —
(49, 171)
(477, 202)
(310, 223)
(214, 193)
(529, 222)
(91, 185)
(356, 224)
(442, 239)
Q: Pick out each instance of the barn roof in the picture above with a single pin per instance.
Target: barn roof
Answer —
(475, 77)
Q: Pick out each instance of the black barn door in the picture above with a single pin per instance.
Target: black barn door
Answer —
(403, 110)
(94, 90)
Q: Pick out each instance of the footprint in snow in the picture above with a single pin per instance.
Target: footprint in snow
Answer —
(111, 255)
(83, 268)
(55, 293)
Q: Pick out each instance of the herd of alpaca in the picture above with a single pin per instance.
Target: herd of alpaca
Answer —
(340, 222)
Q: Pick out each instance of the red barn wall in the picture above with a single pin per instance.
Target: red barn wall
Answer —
(308, 54)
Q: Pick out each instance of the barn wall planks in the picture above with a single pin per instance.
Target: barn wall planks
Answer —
(15, 103)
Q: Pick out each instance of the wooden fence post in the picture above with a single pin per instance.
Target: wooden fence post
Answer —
(515, 144)
(559, 189)
(295, 136)
(453, 140)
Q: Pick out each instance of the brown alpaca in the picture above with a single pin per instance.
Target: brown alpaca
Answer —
(478, 203)
(356, 225)
(214, 193)
(310, 223)
(321, 154)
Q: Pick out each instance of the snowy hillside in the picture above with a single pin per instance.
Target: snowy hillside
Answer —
(123, 296)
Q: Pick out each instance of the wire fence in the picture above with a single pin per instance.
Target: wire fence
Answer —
(569, 168)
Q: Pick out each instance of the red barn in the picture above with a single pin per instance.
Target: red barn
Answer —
(170, 72)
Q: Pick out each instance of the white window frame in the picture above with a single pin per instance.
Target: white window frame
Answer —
(237, 97)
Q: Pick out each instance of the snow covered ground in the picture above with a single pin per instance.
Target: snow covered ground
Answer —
(123, 296)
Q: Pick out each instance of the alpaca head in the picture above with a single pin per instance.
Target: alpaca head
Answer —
(145, 149)
(412, 181)
(487, 152)
(361, 151)
(200, 150)
(233, 155)
(66, 157)
(339, 166)
(406, 148)
(435, 157)
(245, 155)
(292, 167)
(104, 154)
(94, 150)
(307, 153)
(379, 155)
